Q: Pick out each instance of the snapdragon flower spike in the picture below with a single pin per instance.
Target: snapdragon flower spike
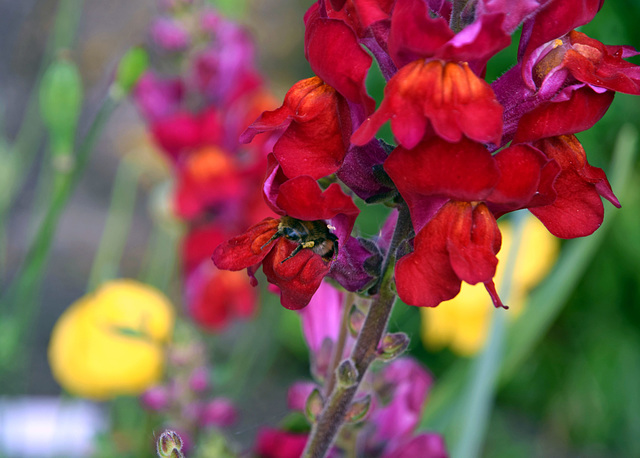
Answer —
(316, 126)
(449, 188)
(300, 275)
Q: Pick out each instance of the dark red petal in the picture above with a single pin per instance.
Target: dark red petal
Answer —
(316, 142)
(333, 51)
(449, 95)
(580, 112)
(425, 277)
(463, 171)
(302, 198)
(473, 242)
(590, 62)
(245, 250)
(554, 20)
(281, 117)
(414, 34)
(577, 210)
(478, 42)
(198, 245)
(520, 169)
(298, 277)
(177, 133)
(214, 297)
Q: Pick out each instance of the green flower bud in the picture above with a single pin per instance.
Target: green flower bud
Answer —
(61, 96)
(132, 66)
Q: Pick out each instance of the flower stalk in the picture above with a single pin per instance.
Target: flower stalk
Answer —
(364, 352)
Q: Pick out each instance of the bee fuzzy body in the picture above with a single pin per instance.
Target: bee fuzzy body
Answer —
(313, 235)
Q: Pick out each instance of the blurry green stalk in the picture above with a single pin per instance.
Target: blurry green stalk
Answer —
(21, 296)
(116, 229)
(23, 150)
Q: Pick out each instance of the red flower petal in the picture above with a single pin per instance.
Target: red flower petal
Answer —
(473, 242)
(580, 112)
(463, 171)
(577, 210)
(214, 297)
(333, 51)
(556, 19)
(449, 95)
(298, 277)
(246, 250)
(425, 277)
(460, 242)
(317, 127)
(590, 62)
(302, 198)
(414, 34)
(520, 169)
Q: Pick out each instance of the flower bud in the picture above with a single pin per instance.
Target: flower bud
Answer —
(356, 320)
(314, 405)
(170, 445)
(358, 409)
(132, 66)
(393, 345)
(347, 373)
(61, 96)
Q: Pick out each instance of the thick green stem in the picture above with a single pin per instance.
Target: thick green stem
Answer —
(364, 352)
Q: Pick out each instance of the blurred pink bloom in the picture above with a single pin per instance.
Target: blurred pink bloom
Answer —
(158, 98)
(409, 383)
(169, 35)
(321, 318)
(298, 394)
(199, 379)
(155, 398)
(219, 412)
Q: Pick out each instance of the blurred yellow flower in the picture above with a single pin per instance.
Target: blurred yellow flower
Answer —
(462, 323)
(110, 342)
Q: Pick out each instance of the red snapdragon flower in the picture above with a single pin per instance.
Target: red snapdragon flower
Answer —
(316, 127)
(450, 188)
(433, 96)
(436, 89)
(298, 277)
(577, 210)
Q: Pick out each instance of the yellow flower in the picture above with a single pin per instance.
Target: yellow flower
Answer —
(111, 342)
(463, 322)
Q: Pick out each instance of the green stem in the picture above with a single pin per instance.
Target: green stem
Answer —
(21, 295)
(116, 229)
(29, 137)
(364, 352)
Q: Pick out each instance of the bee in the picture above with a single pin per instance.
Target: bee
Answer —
(315, 235)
